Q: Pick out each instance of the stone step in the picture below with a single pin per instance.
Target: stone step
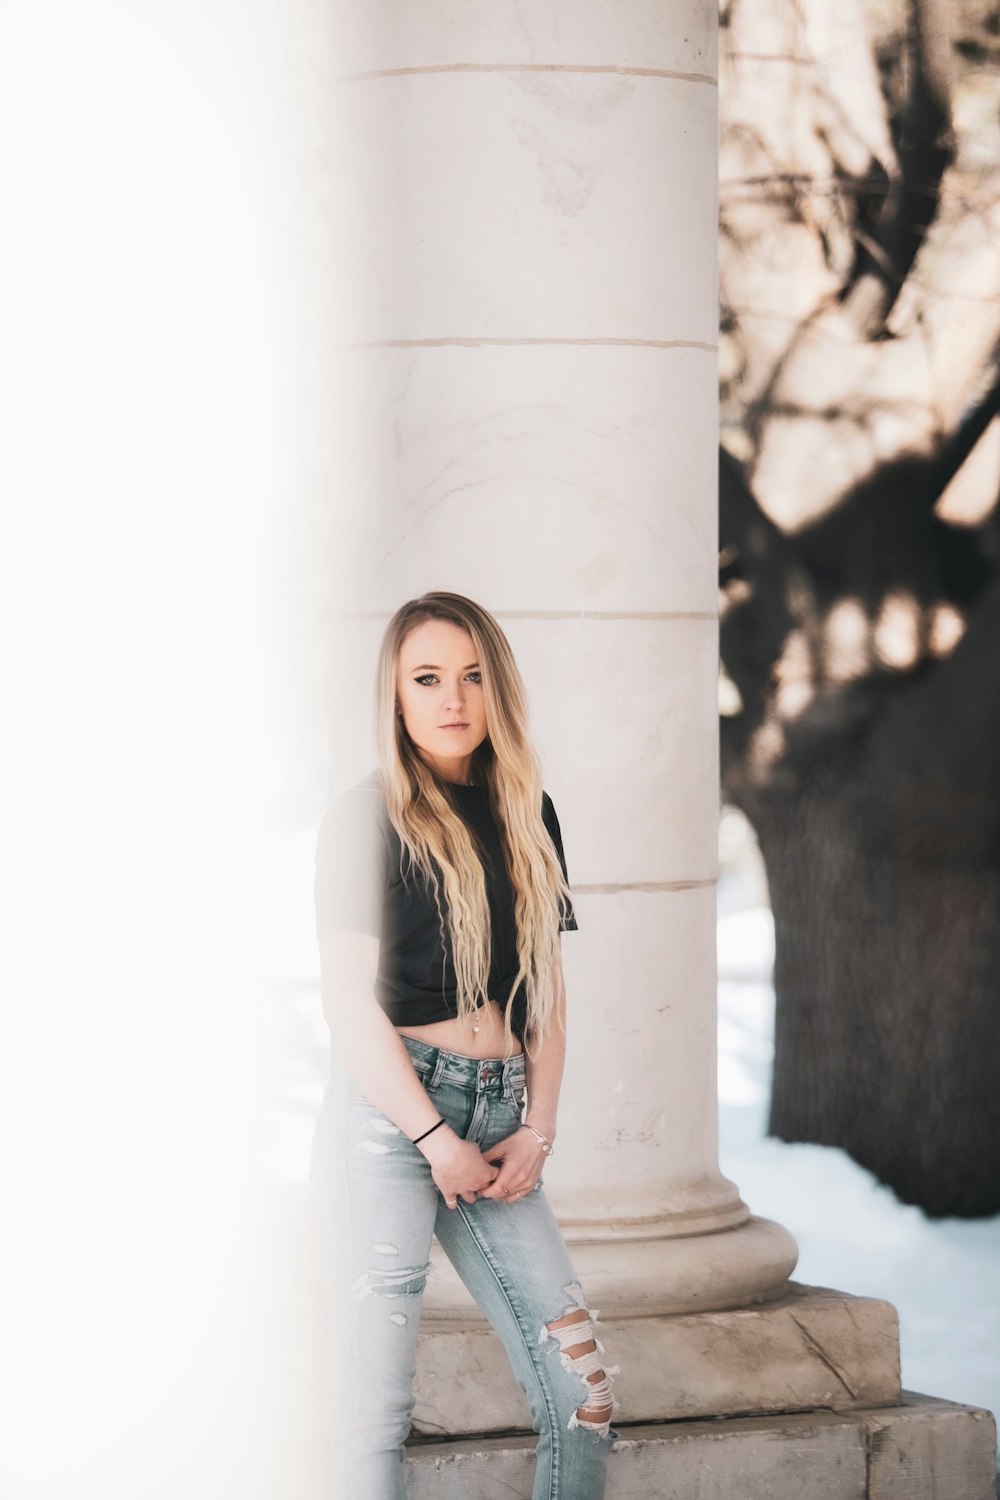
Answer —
(922, 1448)
(812, 1347)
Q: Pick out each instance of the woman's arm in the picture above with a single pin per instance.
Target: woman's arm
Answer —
(365, 1041)
(544, 1071)
(363, 1038)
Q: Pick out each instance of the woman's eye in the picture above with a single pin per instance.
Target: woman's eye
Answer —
(428, 677)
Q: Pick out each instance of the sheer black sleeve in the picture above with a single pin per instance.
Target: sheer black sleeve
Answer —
(351, 864)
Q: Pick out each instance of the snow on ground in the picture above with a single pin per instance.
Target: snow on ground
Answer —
(942, 1275)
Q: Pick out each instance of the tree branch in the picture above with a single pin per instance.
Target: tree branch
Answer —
(956, 449)
(925, 144)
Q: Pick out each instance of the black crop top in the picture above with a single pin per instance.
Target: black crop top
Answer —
(359, 886)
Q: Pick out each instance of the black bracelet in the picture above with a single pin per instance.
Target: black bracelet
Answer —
(427, 1132)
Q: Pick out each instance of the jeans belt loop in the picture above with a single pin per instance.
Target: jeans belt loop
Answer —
(437, 1068)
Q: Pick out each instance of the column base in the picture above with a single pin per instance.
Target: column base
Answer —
(651, 1272)
(809, 1347)
(918, 1448)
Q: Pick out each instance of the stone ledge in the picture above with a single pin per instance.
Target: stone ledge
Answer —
(927, 1447)
(921, 1448)
(811, 1347)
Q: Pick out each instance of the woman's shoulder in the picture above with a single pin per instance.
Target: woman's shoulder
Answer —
(351, 860)
(369, 788)
(359, 806)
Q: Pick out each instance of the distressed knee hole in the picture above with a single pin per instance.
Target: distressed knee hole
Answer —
(579, 1351)
(397, 1281)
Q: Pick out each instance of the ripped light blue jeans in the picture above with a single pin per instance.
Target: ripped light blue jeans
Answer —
(377, 1207)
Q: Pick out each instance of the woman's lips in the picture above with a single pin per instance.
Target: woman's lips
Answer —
(454, 726)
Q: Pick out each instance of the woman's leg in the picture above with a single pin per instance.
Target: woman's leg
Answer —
(514, 1261)
(375, 1201)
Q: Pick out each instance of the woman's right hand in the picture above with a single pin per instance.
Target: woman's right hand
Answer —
(458, 1167)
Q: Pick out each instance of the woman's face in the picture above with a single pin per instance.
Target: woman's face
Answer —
(439, 683)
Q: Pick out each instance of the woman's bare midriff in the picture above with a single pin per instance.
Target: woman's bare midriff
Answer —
(488, 1041)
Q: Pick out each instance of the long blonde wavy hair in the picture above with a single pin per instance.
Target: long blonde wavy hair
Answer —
(437, 840)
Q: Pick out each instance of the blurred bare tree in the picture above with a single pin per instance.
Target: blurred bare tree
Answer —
(860, 566)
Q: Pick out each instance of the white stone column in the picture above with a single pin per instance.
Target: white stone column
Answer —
(528, 416)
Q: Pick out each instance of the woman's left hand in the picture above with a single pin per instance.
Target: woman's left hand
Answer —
(519, 1157)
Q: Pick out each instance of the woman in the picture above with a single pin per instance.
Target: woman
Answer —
(441, 890)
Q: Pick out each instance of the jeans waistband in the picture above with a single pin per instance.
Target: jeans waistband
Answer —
(436, 1064)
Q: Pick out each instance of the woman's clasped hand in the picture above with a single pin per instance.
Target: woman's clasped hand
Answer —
(461, 1170)
(521, 1157)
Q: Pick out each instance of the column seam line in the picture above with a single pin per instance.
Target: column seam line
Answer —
(614, 69)
(608, 614)
(486, 342)
(561, 614)
(612, 888)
